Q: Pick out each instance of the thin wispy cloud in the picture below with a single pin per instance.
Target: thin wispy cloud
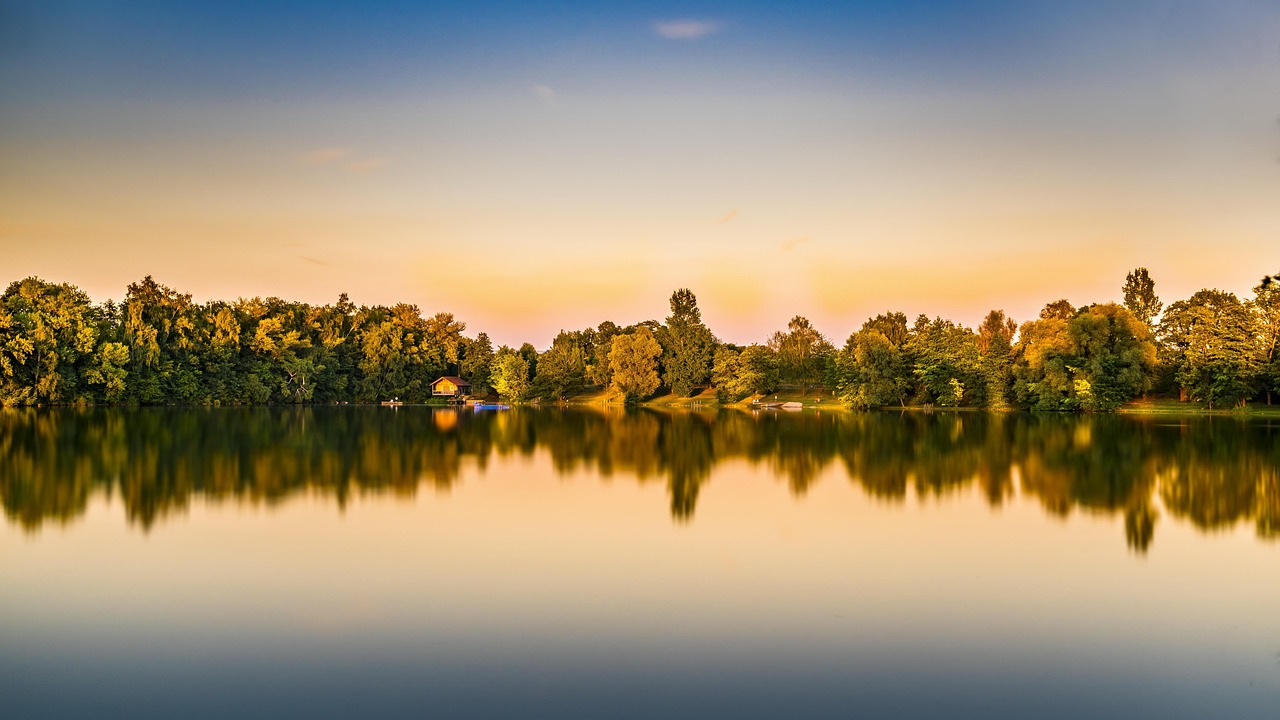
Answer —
(325, 155)
(364, 166)
(343, 158)
(793, 243)
(732, 214)
(685, 29)
(544, 92)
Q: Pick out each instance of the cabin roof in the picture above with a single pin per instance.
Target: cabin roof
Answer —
(453, 379)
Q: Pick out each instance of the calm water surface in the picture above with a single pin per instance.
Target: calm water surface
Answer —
(337, 562)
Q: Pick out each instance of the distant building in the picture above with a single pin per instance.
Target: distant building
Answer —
(450, 386)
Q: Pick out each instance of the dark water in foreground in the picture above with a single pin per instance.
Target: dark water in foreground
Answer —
(337, 562)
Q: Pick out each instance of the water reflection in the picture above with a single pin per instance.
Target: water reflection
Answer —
(1211, 472)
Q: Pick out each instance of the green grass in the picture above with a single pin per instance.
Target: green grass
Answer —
(705, 398)
(1169, 406)
(824, 400)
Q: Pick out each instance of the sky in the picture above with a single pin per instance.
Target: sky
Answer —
(535, 166)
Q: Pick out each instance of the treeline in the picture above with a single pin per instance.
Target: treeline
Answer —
(160, 347)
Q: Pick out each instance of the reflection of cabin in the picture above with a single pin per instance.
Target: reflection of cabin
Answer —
(450, 386)
(445, 420)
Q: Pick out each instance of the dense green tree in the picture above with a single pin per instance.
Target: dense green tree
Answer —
(398, 358)
(220, 360)
(1140, 297)
(873, 372)
(1098, 359)
(1219, 354)
(161, 328)
(48, 334)
(724, 372)
(1115, 356)
(510, 375)
(280, 351)
(941, 352)
(442, 336)
(1266, 309)
(562, 369)
(757, 371)
(109, 370)
(687, 345)
(1043, 373)
(873, 369)
(598, 364)
(476, 362)
(739, 373)
(803, 354)
(995, 345)
(335, 350)
(633, 362)
(893, 325)
(530, 355)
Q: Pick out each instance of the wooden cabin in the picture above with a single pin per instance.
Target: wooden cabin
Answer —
(450, 386)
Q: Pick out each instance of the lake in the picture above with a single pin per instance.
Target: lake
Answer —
(366, 561)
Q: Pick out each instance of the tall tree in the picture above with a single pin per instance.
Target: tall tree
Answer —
(530, 355)
(995, 344)
(476, 362)
(1140, 297)
(598, 364)
(442, 335)
(1060, 309)
(724, 371)
(802, 352)
(687, 345)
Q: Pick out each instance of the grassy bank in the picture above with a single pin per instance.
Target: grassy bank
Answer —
(1170, 406)
(705, 398)
(824, 400)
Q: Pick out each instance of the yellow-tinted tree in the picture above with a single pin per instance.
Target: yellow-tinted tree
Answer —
(510, 374)
(633, 363)
(48, 334)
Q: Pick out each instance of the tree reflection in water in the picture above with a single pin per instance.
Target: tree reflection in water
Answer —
(1210, 472)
